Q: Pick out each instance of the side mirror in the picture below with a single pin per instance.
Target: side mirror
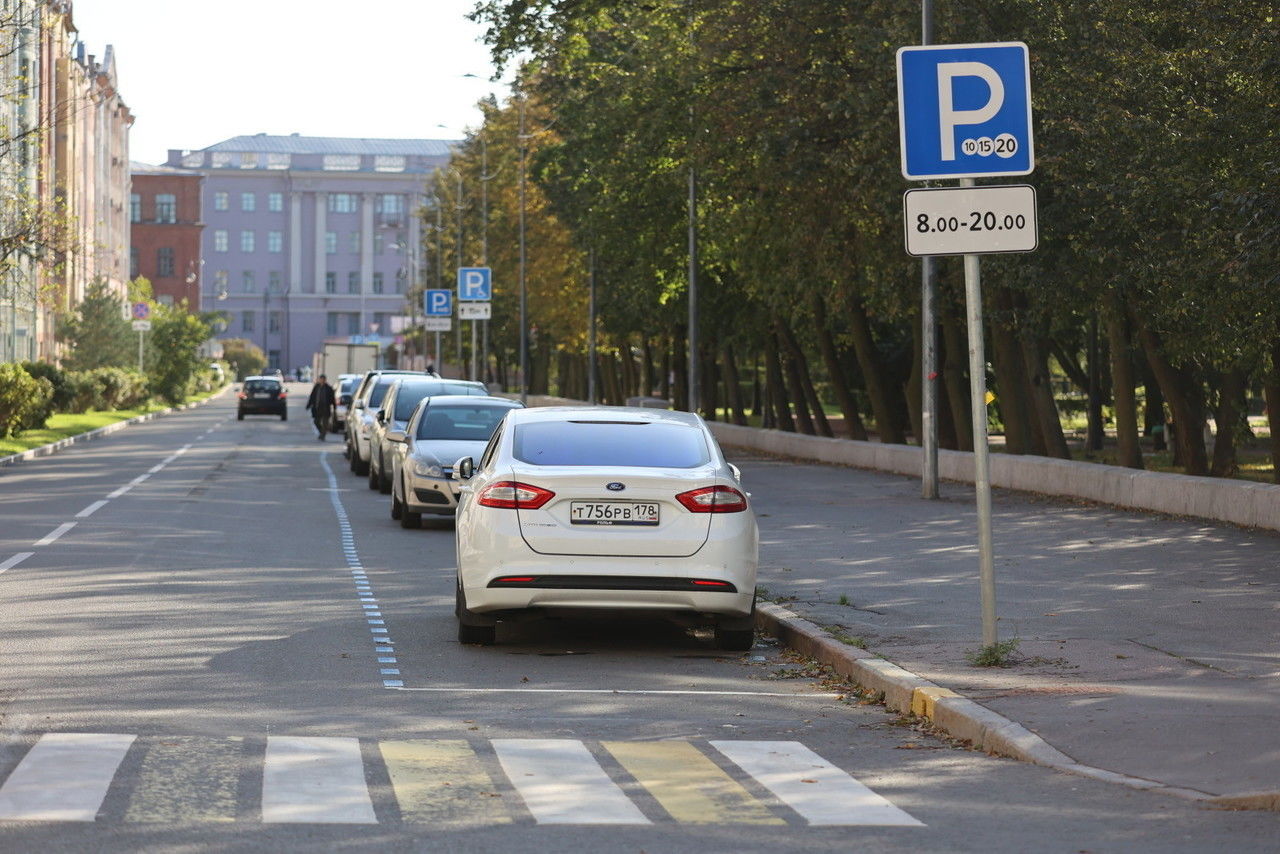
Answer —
(737, 472)
(395, 435)
(359, 404)
(464, 469)
(381, 417)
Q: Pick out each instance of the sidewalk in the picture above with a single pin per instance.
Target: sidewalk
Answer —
(1148, 646)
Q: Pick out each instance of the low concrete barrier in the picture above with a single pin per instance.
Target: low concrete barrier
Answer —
(1254, 505)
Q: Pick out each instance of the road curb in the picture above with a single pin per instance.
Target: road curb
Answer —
(54, 447)
(957, 716)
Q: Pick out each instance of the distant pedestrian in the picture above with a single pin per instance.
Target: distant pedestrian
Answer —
(320, 404)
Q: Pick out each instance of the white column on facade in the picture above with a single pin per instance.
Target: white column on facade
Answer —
(295, 243)
(366, 256)
(415, 235)
(322, 203)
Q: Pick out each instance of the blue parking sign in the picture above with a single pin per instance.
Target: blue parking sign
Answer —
(437, 303)
(475, 283)
(964, 111)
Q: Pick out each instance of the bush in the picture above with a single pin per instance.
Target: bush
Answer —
(23, 400)
(83, 386)
(60, 397)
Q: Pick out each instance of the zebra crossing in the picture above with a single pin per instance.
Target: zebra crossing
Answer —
(112, 777)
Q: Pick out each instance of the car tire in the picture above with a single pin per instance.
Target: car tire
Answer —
(409, 519)
(735, 640)
(374, 477)
(284, 416)
(361, 468)
(472, 630)
(384, 480)
(397, 506)
(239, 416)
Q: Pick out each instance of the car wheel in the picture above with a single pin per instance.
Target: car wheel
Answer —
(409, 519)
(284, 416)
(384, 480)
(472, 629)
(397, 506)
(735, 640)
(351, 457)
(374, 477)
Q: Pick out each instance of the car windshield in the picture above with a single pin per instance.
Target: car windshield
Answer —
(611, 443)
(261, 385)
(466, 423)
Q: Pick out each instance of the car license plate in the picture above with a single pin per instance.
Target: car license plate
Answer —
(262, 394)
(613, 513)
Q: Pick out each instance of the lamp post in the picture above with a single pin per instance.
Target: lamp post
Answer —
(523, 138)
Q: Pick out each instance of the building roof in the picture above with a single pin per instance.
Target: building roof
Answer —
(295, 144)
(136, 168)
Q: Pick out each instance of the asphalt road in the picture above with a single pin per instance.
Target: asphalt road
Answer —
(214, 636)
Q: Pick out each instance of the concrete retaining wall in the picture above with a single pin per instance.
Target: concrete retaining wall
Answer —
(1255, 505)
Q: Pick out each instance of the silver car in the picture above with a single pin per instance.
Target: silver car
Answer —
(441, 430)
(394, 412)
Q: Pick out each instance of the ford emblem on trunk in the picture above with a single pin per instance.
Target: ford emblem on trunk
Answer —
(615, 486)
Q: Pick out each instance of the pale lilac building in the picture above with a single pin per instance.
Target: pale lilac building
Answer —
(311, 238)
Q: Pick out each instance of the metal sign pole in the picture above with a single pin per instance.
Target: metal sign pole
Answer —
(928, 337)
(140, 334)
(474, 351)
(981, 454)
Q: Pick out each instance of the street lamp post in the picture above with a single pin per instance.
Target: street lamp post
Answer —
(524, 340)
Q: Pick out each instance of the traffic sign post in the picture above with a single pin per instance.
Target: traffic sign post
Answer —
(964, 112)
(475, 286)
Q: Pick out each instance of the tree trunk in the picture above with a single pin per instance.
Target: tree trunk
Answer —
(795, 385)
(1128, 448)
(730, 368)
(1271, 391)
(1184, 400)
(913, 389)
(628, 366)
(1096, 433)
(562, 374)
(864, 347)
(806, 381)
(955, 380)
(664, 381)
(1231, 392)
(1012, 384)
(853, 426)
(1153, 415)
(710, 382)
(776, 390)
(1044, 406)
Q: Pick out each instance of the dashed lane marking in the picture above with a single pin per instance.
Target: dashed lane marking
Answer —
(55, 534)
(15, 560)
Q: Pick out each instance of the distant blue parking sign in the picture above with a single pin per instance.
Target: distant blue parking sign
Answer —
(437, 303)
(964, 111)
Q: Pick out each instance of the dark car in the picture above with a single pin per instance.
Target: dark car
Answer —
(262, 396)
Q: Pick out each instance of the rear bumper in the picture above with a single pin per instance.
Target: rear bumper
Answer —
(262, 407)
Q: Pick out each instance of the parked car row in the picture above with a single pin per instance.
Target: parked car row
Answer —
(562, 510)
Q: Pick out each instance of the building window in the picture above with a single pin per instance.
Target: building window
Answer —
(247, 284)
(249, 160)
(275, 202)
(220, 201)
(353, 283)
(391, 203)
(248, 202)
(246, 241)
(133, 262)
(379, 325)
(342, 202)
(377, 243)
(164, 299)
(164, 262)
(275, 241)
(400, 281)
(166, 208)
(220, 159)
(220, 240)
(331, 242)
(277, 161)
(377, 283)
(353, 323)
(193, 160)
(355, 243)
(342, 162)
(330, 283)
(331, 323)
(220, 279)
(246, 321)
(135, 207)
(388, 163)
(273, 281)
(273, 321)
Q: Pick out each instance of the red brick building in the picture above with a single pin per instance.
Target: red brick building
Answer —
(164, 212)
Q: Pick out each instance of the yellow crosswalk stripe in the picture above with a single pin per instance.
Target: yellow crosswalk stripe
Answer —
(186, 778)
(442, 781)
(688, 785)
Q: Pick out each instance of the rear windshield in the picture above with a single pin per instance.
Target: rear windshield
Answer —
(347, 386)
(262, 385)
(468, 423)
(596, 443)
(410, 393)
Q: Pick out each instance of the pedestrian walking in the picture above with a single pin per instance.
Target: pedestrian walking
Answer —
(320, 404)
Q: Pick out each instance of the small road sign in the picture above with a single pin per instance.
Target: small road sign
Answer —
(437, 324)
(474, 311)
(140, 311)
(971, 220)
(964, 111)
(475, 283)
(437, 303)
(142, 326)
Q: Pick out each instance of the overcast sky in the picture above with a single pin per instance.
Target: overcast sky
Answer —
(195, 74)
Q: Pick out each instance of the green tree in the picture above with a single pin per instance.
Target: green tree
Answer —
(245, 357)
(173, 354)
(97, 334)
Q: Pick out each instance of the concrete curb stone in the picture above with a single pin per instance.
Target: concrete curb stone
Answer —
(54, 447)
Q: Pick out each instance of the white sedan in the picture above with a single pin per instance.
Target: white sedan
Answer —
(577, 509)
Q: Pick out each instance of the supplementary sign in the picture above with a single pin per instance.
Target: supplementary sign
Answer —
(971, 220)
(474, 310)
(964, 111)
(475, 283)
(437, 324)
(142, 326)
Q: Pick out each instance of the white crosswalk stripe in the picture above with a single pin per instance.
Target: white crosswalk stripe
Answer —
(315, 780)
(562, 783)
(64, 777)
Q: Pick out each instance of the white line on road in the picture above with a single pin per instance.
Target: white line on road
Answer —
(462, 689)
(155, 468)
(55, 533)
(91, 509)
(15, 560)
(64, 777)
(819, 791)
(139, 479)
(121, 491)
(315, 781)
(562, 783)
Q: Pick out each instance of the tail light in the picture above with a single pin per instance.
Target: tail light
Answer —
(283, 395)
(243, 396)
(512, 495)
(713, 499)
